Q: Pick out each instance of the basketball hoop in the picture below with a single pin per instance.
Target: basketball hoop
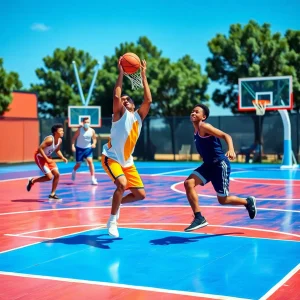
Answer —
(260, 106)
(135, 79)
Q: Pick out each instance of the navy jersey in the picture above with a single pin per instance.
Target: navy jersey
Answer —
(209, 147)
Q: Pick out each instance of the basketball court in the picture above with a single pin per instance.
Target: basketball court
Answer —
(52, 249)
(62, 249)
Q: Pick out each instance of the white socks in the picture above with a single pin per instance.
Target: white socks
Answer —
(113, 218)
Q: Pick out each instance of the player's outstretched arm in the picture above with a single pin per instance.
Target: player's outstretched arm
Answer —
(46, 143)
(145, 107)
(118, 108)
(74, 138)
(60, 155)
(209, 129)
(94, 138)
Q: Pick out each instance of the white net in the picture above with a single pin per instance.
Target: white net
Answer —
(136, 80)
(260, 106)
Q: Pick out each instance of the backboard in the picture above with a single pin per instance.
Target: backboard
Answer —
(77, 113)
(278, 90)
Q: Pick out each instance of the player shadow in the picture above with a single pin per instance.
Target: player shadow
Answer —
(28, 200)
(96, 240)
(171, 240)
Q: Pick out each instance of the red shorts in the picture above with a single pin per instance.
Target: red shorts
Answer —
(43, 165)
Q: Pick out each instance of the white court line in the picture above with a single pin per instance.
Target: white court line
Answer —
(29, 236)
(22, 178)
(31, 244)
(102, 225)
(197, 233)
(142, 206)
(173, 187)
(99, 225)
(177, 171)
(240, 180)
(120, 285)
(280, 283)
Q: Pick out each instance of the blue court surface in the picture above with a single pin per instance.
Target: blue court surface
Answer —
(234, 257)
(231, 265)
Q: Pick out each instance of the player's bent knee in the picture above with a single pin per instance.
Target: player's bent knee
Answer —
(121, 184)
(49, 176)
(189, 184)
(222, 200)
(141, 194)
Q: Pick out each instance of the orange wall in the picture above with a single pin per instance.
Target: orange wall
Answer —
(19, 140)
(24, 105)
(19, 129)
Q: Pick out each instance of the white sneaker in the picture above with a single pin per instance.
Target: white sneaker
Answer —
(118, 212)
(113, 229)
(73, 175)
(94, 181)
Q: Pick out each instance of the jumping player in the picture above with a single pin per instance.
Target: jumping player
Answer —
(45, 162)
(215, 167)
(117, 160)
(84, 148)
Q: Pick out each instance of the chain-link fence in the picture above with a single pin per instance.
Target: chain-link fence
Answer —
(164, 138)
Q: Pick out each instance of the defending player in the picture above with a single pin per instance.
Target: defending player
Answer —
(45, 162)
(84, 148)
(215, 167)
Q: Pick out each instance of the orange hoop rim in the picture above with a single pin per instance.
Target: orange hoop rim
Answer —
(263, 102)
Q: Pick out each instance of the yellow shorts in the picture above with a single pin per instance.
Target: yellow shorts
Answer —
(115, 170)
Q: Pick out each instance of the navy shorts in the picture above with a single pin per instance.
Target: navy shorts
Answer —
(218, 173)
(82, 153)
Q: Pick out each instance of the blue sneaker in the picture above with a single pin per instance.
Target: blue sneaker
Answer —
(196, 224)
(251, 207)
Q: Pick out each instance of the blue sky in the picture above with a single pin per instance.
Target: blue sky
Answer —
(31, 30)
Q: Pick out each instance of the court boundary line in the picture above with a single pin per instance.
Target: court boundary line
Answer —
(169, 291)
(31, 244)
(99, 226)
(173, 188)
(142, 206)
(280, 283)
(122, 285)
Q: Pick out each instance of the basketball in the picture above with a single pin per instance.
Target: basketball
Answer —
(130, 63)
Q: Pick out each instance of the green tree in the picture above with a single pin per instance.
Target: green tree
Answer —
(58, 88)
(8, 83)
(176, 87)
(293, 57)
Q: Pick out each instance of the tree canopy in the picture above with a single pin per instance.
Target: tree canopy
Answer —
(8, 83)
(176, 86)
(58, 87)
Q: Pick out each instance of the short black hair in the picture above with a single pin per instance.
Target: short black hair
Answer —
(205, 109)
(55, 127)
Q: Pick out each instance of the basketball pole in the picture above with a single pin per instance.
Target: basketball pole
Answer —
(78, 83)
(86, 101)
(92, 84)
(287, 161)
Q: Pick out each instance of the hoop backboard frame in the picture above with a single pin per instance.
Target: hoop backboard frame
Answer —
(77, 113)
(267, 94)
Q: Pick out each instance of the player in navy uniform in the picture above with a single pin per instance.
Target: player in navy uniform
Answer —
(215, 167)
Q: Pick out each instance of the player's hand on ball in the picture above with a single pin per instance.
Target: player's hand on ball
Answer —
(230, 154)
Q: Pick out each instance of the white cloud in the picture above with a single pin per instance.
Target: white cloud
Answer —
(39, 27)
